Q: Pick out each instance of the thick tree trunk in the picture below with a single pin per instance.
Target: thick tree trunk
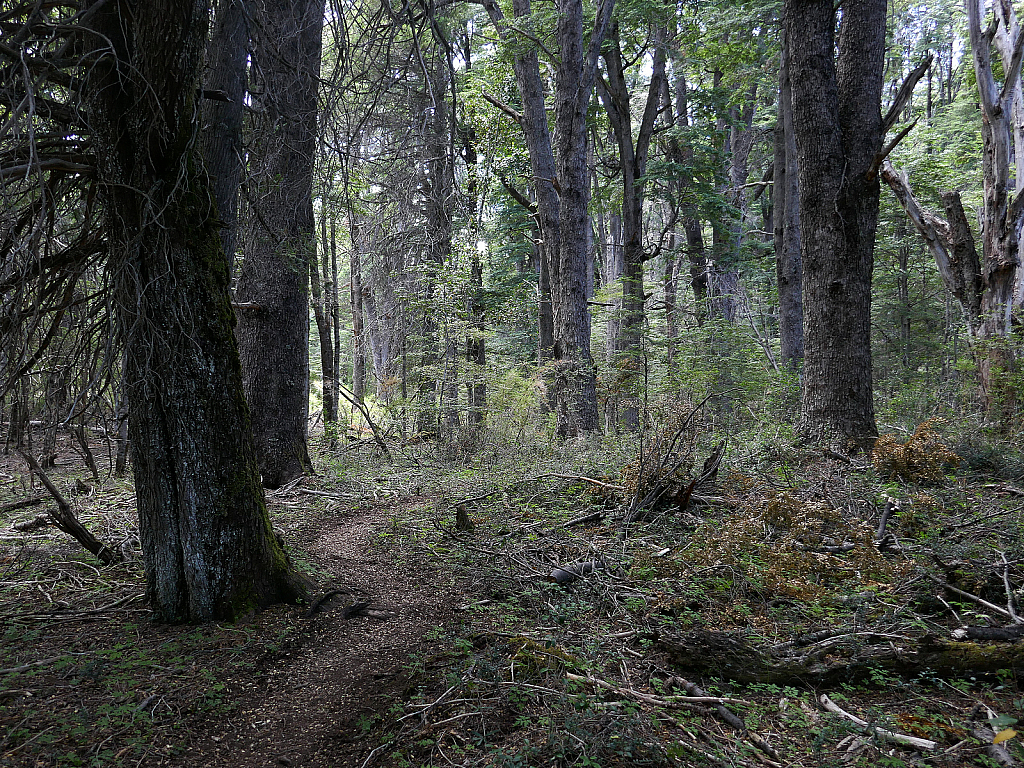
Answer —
(226, 57)
(273, 333)
(546, 315)
(838, 128)
(207, 543)
(1001, 131)
(786, 225)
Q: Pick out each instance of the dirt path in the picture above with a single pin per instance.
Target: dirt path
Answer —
(317, 704)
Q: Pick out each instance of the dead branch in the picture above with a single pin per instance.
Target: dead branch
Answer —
(997, 752)
(731, 655)
(896, 738)
(65, 518)
(593, 517)
(583, 479)
(990, 634)
(669, 702)
(41, 521)
(904, 93)
(1007, 586)
(887, 150)
(571, 572)
(517, 116)
(11, 506)
(730, 718)
(890, 505)
(974, 598)
(377, 435)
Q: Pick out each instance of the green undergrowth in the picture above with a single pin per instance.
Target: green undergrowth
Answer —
(781, 547)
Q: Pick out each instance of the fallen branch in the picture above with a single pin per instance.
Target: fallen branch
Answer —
(318, 603)
(40, 521)
(997, 752)
(40, 663)
(11, 506)
(374, 429)
(731, 655)
(731, 718)
(975, 598)
(896, 738)
(65, 519)
(1009, 589)
(883, 522)
(669, 702)
(593, 517)
(990, 634)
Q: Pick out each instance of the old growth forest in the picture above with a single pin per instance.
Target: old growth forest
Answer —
(508, 383)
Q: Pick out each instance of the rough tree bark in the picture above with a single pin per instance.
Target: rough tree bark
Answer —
(786, 225)
(208, 547)
(273, 332)
(1002, 126)
(837, 123)
(226, 59)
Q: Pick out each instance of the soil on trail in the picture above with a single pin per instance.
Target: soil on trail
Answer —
(316, 703)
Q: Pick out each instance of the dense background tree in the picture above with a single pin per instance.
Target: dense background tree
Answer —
(280, 235)
(470, 193)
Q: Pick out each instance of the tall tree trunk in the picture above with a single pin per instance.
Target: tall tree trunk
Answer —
(676, 109)
(438, 405)
(563, 213)
(837, 123)
(356, 304)
(273, 333)
(476, 349)
(1001, 131)
(227, 54)
(613, 275)
(208, 546)
(615, 93)
(322, 315)
(786, 225)
(698, 261)
(669, 286)
(546, 316)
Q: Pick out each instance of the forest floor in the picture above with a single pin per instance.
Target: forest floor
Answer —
(732, 626)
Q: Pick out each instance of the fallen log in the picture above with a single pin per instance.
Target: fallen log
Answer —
(31, 501)
(733, 656)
